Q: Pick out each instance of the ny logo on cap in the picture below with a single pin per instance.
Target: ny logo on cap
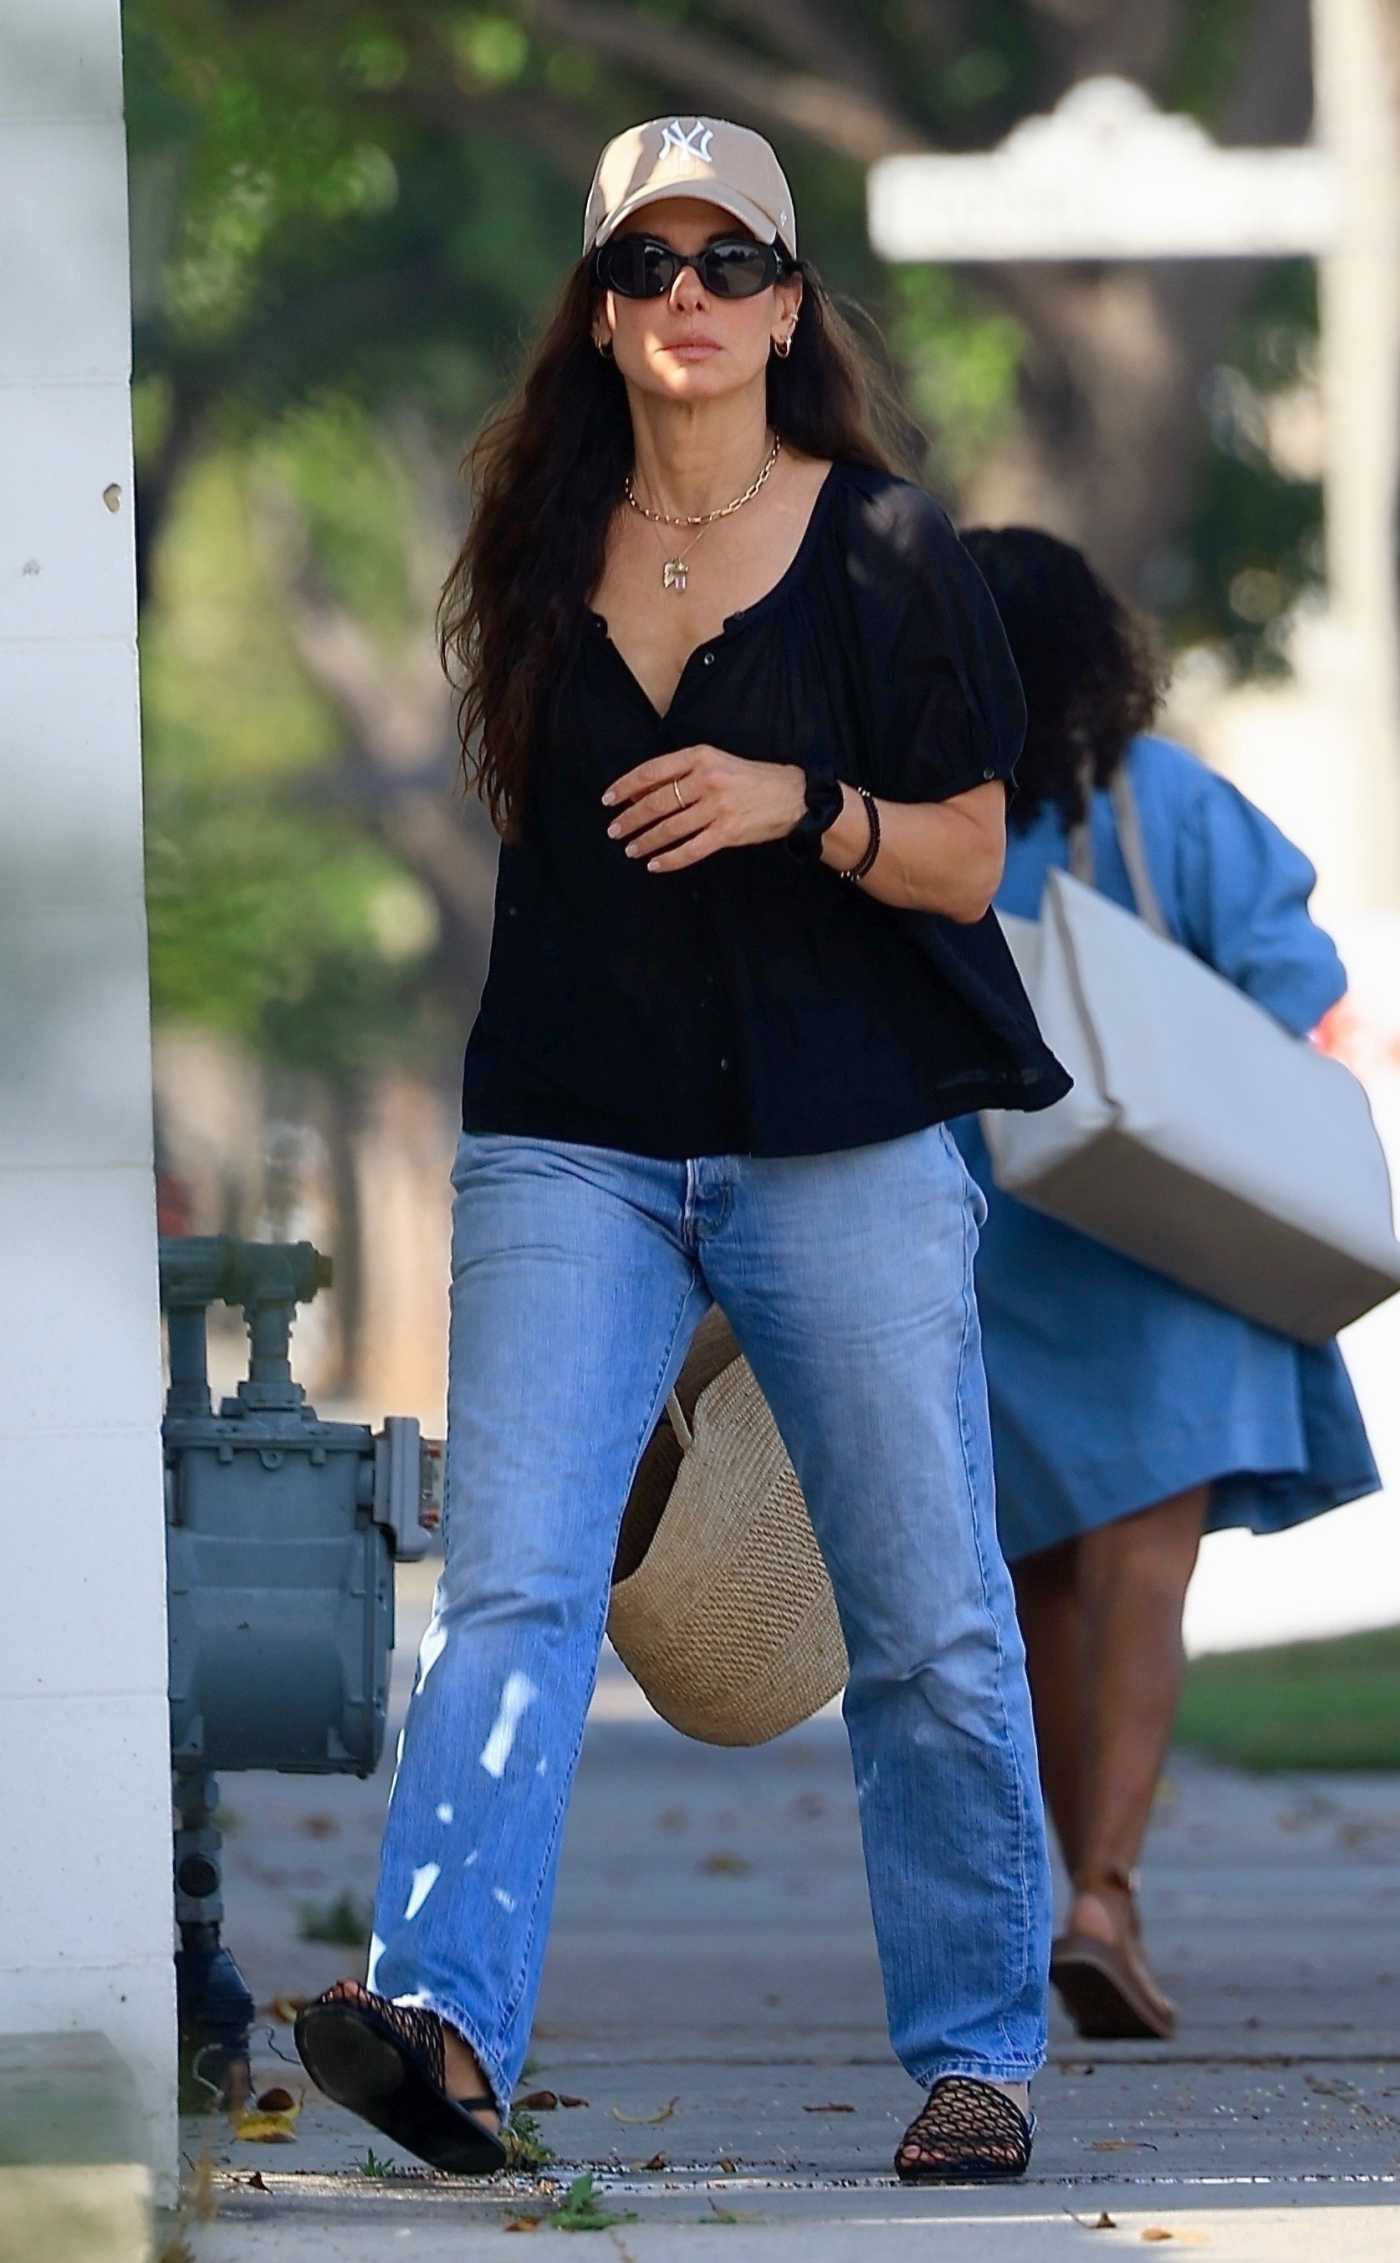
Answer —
(696, 143)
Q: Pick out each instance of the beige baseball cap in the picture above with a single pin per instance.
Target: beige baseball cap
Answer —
(729, 166)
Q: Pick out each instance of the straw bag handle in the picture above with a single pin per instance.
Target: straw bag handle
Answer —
(713, 1349)
(1128, 826)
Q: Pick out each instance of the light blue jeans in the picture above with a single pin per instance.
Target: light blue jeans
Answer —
(578, 1277)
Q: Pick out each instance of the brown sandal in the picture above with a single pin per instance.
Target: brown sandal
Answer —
(385, 2061)
(1107, 1986)
(967, 2132)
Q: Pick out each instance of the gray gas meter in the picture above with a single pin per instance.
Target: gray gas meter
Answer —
(282, 1532)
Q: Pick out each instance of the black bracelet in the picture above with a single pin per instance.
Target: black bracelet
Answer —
(872, 846)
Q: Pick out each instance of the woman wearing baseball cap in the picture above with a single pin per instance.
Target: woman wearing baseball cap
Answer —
(744, 715)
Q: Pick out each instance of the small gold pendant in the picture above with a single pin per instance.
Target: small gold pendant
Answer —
(674, 575)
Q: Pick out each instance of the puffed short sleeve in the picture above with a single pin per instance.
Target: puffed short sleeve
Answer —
(951, 711)
(1244, 890)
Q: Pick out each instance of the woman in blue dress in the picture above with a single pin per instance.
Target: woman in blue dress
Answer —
(1129, 1415)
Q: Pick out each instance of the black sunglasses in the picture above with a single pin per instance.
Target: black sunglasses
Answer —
(642, 267)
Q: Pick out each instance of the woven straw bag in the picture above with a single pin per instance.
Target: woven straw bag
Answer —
(721, 1606)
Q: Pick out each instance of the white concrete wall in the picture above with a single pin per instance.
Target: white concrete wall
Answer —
(85, 1918)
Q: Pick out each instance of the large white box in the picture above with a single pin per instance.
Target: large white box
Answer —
(79, 1314)
(67, 559)
(86, 1880)
(74, 1006)
(133, 2003)
(109, 1485)
(59, 61)
(63, 250)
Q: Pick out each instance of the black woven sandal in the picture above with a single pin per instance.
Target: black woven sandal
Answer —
(966, 2133)
(385, 2062)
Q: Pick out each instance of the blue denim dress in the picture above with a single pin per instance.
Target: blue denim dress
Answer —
(1112, 1388)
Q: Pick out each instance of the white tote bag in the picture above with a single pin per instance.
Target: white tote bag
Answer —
(1201, 1137)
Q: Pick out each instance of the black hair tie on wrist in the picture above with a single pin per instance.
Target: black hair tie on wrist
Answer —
(872, 846)
(823, 805)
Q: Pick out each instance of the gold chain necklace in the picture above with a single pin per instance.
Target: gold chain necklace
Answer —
(674, 573)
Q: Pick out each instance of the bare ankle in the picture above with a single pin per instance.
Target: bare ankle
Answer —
(1103, 1903)
(464, 2073)
(1018, 2092)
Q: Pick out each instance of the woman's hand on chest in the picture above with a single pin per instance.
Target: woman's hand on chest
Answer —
(679, 808)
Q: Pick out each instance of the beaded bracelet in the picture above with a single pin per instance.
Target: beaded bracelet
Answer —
(872, 846)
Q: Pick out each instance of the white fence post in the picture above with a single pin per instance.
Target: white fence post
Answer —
(85, 1897)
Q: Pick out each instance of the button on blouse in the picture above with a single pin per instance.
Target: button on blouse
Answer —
(755, 1004)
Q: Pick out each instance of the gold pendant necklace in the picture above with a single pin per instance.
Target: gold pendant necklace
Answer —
(674, 572)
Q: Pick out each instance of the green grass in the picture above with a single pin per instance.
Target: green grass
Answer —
(344, 1921)
(583, 2211)
(373, 2166)
(1329, 1704)
(525, 2143)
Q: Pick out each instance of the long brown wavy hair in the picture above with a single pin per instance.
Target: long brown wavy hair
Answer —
(546, 474)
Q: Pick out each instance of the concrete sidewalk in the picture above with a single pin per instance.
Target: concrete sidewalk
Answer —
(712, 1992)
(815, 2227)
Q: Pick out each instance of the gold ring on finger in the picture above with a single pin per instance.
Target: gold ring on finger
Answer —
(680, 797)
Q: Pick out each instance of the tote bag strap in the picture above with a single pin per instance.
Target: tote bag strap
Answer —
(1128, 826)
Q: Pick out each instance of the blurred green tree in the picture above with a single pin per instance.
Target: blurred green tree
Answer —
(346, 216)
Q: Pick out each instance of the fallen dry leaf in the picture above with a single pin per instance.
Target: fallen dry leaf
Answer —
(540, 2101)
(832, 2108)
(657, 2161)
(726, 1865)
(1156, 2232)
(1122, 2145)
(1106, 2223)
(255, 2182)
(644, 2121)
(566, 2100)
(730, 2168)
(523, 2223)
(266, 2129)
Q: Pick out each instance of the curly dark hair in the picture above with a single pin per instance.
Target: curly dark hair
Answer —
(1091, 668)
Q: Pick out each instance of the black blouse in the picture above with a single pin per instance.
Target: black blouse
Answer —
(756, 1004)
